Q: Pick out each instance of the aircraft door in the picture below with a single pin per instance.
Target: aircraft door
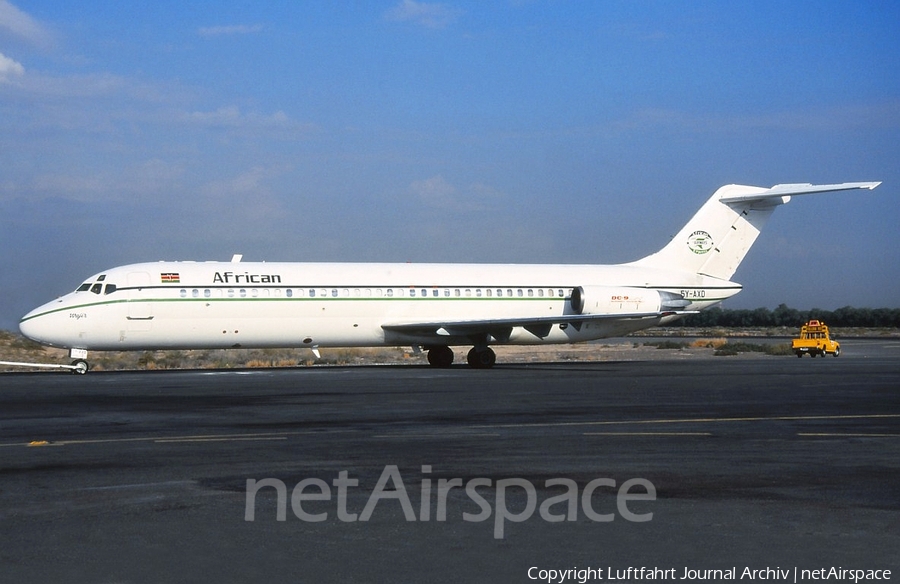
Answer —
(140, 312)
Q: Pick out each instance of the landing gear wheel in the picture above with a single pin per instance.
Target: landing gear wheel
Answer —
(440, 356)
(80, 367)
(483, 359)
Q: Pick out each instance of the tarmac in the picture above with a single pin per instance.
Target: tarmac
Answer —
(461, 475)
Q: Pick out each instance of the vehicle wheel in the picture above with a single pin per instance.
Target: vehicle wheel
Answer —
(483, 359)
(837, 352)
(440, 356)
(799, 353)
(80, 367)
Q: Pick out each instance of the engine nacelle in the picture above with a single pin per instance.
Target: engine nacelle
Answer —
(623, 300)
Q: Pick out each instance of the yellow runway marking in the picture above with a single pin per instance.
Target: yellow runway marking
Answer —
(695, 421)
(661, 421)
(647, 434)
(845, 435)
(437, 435)
(170, 440)
(161, 439)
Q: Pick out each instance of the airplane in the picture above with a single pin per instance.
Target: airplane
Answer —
(431, 306)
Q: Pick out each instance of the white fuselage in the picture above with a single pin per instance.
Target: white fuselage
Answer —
(191, 305)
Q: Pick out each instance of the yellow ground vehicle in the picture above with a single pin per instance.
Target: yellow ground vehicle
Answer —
(815, 340)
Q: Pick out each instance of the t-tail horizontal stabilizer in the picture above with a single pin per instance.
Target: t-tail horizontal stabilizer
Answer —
(719, 235)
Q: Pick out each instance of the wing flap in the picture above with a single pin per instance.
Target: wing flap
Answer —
(501, 328)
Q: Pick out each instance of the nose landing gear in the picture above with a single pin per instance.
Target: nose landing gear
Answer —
(79, 367)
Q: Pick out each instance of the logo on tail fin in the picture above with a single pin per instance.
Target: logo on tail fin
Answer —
(700, 242)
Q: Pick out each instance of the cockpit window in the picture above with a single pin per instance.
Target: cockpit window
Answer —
(97, 288)
(84, 287)
(101, 278)
(110, 288)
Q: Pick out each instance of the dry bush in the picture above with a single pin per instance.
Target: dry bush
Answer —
(708, 343)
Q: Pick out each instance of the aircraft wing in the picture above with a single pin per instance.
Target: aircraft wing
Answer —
(501, 328)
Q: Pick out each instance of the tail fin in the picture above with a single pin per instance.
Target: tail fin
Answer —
(719, 235)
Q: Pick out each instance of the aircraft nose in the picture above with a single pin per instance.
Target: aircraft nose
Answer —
(36, 326)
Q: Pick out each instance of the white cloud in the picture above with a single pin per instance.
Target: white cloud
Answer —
(434, 191)
(232, 119)
(437, 193)
(847, 116)
(19, 24)
(9, 68)
(231, 116)
(212, 31)
(428, 15)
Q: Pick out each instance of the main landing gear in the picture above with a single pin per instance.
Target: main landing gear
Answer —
(440, 356)
(478, 357)
(481, 358)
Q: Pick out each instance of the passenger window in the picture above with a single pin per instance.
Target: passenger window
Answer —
(289, 293)
(312, 292)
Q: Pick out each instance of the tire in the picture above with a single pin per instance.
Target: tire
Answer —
(441, 356)
(483, 359)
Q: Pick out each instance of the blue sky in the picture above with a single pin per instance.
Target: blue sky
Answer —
(521, 131)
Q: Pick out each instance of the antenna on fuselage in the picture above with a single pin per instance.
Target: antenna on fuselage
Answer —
(236, 258)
